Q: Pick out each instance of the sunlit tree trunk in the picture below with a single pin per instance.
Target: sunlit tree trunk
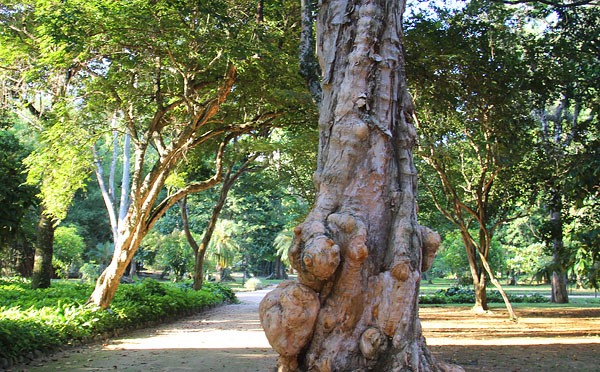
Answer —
(42, 266)
(360, 252)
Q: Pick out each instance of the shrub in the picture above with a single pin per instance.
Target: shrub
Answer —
(253, 284)
(462, 295)
(68, 247)
(44, 319)
(89, 272)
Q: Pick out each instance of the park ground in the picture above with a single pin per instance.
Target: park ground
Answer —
(229, 339)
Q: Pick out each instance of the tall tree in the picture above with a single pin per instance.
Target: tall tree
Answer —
(567, 117)
(36, 88)
(166, 69)
(360, 252)
(473, 123)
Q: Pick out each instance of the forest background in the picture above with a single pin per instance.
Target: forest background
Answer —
(507, 106)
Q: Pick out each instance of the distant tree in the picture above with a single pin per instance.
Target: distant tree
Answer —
(566, 57)
(474, 123)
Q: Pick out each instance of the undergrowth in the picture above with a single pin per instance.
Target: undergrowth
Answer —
(461, 295)
(46, 319)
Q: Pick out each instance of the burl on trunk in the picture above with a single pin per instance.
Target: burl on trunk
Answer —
(360, 252)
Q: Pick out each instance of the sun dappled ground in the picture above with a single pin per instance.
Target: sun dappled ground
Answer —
(544, 339)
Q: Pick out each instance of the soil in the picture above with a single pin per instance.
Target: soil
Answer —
(230, 339)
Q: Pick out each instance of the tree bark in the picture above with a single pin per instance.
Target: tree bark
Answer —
(42, 266)
(360, 252)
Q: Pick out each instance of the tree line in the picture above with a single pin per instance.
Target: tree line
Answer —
(118, 127)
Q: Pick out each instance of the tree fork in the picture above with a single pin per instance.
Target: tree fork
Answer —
(360, 252)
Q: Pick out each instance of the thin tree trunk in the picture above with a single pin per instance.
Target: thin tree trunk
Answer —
(42, 266)
(186, 226)
(228, 182)
(309, 68)
(480, 287)
(360, 252)
(479, 282)
(511, 312)
(559, 277)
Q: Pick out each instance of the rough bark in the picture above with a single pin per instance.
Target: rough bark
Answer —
(360, 252)
(42, 266)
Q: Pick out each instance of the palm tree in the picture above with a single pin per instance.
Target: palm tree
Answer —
(223, 246)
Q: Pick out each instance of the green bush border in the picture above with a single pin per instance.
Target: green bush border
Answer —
(33, 322)
(462, 295)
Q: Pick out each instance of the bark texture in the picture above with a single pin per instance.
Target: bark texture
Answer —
(360, 252)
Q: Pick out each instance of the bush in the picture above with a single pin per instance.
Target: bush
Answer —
(253, 284)
(68, 247)
(89, 272)
(462, 295)
(44, 319)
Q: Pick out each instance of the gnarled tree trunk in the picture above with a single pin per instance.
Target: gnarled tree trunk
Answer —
(360, 252)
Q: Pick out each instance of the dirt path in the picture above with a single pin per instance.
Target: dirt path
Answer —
(543, 340)
(226, 339)
(229, 339)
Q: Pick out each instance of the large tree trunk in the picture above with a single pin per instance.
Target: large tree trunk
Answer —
(42, 266)
(360, 252)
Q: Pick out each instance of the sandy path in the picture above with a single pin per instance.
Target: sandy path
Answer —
(228, 338)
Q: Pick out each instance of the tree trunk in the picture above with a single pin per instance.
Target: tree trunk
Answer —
(479, 282)
(42, 266)
(186, 226)
(228, 181)
(559, 277)
(559, 288)
(360, 252)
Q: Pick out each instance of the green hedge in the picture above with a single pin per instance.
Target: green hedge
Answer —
(462, 295)
(45, 319)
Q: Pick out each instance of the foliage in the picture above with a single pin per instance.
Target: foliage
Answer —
(14, 197)
(523, 246)
(48, 318)
(68, 248)
(283, 241)
(462, 295)
(253, 284)
(89, 272)
(224, 244)
(172, 253)
(452, 257)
